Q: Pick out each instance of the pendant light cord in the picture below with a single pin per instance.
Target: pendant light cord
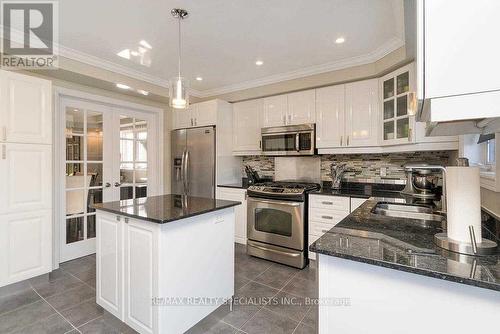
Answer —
(180, 18)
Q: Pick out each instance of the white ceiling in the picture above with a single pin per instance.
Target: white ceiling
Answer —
(222, 39)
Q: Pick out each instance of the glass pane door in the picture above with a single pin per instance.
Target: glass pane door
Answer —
(396, 119)
(84, 166)
(133, 157)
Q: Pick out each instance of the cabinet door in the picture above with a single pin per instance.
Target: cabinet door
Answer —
(140, 282)
(247, 125)
(361, 99)
(181, 118)
(275, 111)
(330, 116)
(26, 244)
(302, 107)
(205, 113)
(240, 211)
(397, 120)
(109, 263)
(26, 177)
(26, 110)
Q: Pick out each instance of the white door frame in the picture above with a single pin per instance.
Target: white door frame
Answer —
(59, 151)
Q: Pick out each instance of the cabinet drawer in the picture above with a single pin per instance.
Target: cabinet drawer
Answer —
(330, 202)
(318, 229)
(331, 217)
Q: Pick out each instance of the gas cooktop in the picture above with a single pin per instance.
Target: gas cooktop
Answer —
(285, 189)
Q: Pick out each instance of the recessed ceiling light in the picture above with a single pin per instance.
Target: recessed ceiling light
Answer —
(122, 86)
(145, 44)
(143, 92)
(259, 62)
(199, 78)
(340, 40)
(124, 53)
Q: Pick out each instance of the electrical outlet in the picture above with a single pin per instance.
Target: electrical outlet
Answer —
(383, 171)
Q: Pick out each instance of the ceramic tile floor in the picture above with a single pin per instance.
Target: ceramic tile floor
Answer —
(269, 298)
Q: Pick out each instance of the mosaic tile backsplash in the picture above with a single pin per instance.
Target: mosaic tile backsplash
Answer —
(361, 167)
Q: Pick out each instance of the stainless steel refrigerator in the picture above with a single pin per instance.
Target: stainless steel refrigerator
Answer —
(193, 152)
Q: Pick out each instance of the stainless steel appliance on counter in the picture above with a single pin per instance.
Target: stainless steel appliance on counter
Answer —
(277, 221)
(289, 140)
(193, 167)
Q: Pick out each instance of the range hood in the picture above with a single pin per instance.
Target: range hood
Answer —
(437, 127)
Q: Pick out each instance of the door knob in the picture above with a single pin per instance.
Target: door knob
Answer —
(117, 184)
(107, 185)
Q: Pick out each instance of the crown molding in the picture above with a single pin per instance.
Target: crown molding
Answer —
(388, 47)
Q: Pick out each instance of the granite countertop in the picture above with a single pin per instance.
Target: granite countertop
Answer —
(403, 244)
(361, 190)
(165, 208)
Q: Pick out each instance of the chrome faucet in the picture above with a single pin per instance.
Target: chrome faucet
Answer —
(337, 171)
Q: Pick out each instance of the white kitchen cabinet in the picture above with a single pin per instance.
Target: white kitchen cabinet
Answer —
(330, 126)
(26, 245)
(301, 107)
(361, 113)
(325, 212)
(26, 177)
(140, 284)
(290, 109)
(240, 212)
(397, 120)
(181, 118)
(197, 115)
(356, 202)
(247, 117)
(25, 109)
(275, 111)
(109, 266)
(467, 85)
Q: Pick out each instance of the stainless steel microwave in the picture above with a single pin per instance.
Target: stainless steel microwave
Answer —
(289, 140)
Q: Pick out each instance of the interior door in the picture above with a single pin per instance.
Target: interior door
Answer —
(200, 162)
(134, 154)
(87, 167)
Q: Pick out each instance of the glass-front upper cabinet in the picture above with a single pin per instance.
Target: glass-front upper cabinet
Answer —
(398, 93)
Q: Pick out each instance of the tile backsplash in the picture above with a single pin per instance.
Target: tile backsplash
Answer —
(361, 167)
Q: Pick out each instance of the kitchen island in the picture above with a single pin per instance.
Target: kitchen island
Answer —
(164, 262)
(387, 272)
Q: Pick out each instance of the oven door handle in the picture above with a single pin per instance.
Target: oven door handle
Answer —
(274, 202)
(274, 250)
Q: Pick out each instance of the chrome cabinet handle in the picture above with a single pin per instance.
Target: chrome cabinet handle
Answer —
(107, 185)
(4, 152)
(192, 122)
(117, 184)
(327, 203)
(196, 121)
(297, 142)
(327, 217)
(284, 119)
(126, 220)
(325, 231)
(347, 140)
(289, 119)
(4, 133)
(118, 218)
(341, 137)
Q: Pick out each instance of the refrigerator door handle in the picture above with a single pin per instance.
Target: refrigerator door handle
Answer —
(186, 172)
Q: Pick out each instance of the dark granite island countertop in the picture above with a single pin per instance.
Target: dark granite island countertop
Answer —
(402, 244)
(165, 208)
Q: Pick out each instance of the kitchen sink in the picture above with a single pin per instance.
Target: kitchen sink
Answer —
(408, 211)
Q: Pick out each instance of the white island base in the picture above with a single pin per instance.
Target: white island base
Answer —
(389, 301)
(152, 276)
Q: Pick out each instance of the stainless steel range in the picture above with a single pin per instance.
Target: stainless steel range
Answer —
(277, 221)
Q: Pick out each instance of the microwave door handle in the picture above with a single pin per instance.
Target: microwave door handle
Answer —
(297, 142)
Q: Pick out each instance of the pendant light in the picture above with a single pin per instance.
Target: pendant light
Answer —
(178, 86)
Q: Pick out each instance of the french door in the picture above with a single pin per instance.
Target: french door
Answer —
(109, 153)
